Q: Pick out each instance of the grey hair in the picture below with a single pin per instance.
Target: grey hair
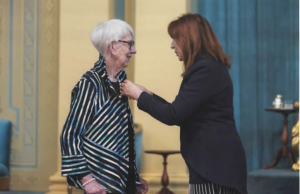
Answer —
(112, 30)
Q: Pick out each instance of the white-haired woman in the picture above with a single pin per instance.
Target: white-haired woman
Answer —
(97, 140)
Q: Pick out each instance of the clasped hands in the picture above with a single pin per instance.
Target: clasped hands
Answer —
(94, 187)
(132, 90)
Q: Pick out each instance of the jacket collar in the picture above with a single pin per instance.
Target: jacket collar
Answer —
(100, 68)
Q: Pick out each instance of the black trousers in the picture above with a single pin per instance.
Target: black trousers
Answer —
(130, 185)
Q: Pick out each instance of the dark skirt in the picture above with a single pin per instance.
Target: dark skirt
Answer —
(199, 185)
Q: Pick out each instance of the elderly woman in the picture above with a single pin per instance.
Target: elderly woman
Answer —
(97, 140)
(203, 108)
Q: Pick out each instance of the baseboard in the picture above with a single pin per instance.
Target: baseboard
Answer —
(177, 183)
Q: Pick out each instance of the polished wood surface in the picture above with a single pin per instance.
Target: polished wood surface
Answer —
(283, 110)
(162, 152)
(284, 151)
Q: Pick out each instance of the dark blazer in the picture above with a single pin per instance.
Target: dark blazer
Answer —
(203, 109)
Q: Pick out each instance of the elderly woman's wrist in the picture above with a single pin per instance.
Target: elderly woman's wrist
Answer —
(86, 178)
(88, 181)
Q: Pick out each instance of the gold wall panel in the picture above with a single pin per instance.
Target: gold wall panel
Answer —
(29, 88)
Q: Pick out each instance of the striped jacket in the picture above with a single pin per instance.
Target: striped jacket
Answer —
(95, 136)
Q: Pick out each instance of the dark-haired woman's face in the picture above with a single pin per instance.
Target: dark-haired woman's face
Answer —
(177, 50)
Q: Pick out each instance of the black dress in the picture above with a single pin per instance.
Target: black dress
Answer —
(130, 185)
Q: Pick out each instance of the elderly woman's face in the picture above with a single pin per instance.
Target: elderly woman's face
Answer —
(177, 50)
(125, 51)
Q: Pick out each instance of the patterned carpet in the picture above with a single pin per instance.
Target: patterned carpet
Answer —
(19, 192)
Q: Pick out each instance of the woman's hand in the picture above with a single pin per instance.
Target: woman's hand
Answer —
(143, 188)
(92, 187)
(130, 90)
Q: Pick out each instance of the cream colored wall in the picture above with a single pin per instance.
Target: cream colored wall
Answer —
(28, 85)
(77, 54)
(158, 69)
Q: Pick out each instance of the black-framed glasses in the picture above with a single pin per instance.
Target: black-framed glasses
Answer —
(130, 43)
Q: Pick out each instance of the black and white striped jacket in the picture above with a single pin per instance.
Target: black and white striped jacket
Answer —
(95, 136)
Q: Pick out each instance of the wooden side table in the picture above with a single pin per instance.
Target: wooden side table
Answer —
(284, 151)
(165, 177)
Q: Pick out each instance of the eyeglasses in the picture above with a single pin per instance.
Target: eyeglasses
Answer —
(130, 43)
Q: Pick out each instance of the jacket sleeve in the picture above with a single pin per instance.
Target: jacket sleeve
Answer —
(201, 85)
(160, 98)
(80, 115)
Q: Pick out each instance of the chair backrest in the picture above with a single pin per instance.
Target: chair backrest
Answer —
(138, 145)
(5, 139)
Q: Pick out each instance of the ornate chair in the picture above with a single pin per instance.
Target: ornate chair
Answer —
(295, 142)
(5, 137)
